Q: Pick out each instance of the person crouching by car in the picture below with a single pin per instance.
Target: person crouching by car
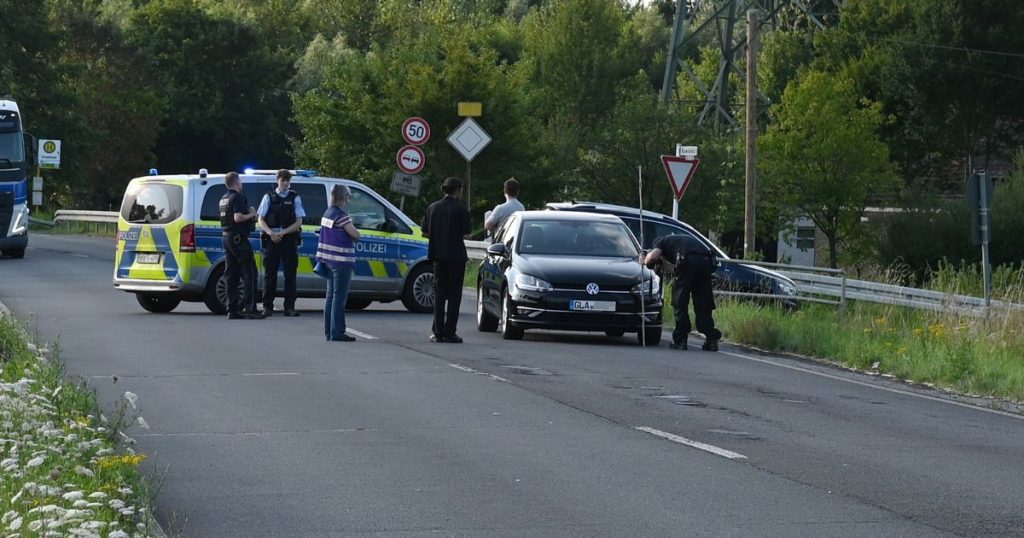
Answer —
(694, 263)
(336, 258)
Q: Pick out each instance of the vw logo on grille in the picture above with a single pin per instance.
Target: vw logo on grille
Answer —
(592, 289)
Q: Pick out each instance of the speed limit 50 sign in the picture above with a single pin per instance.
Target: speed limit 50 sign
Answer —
(416, 131)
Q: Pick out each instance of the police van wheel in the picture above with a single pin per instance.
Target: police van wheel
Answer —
(420, 288)
(213, 298)
(157, 303)
(357, 304)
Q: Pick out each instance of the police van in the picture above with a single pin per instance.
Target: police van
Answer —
(169, 246)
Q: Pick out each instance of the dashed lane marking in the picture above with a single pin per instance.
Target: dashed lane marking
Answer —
(691, 443)
(477, 372)
(361, 334)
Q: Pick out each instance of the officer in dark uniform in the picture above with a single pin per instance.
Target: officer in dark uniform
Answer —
(693, 263)
(281, 215)
(237, 220)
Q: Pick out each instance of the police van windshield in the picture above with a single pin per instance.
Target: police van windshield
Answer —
(152, 203)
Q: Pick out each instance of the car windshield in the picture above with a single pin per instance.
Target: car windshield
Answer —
(577, 238)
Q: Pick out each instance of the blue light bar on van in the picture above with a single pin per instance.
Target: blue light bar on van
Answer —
(305, 173)
(153, 171)
(249, 171)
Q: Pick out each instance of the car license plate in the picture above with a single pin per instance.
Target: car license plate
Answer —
(148, 258)
(592, 306)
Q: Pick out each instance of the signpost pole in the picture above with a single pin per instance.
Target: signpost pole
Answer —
(469, 184)
(986, 268)
(401, 203)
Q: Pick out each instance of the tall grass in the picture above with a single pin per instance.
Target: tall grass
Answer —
(66, 467)
(960, 352)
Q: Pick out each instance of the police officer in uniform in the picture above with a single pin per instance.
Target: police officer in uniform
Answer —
(237, 219)
(280, 215)
(693, 263)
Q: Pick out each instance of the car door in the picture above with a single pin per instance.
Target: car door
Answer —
(313, 194)
(493, 267)
(382, 252)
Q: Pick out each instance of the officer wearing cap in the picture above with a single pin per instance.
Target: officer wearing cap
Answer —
(237, 219)
(693, 263)
(280, 215)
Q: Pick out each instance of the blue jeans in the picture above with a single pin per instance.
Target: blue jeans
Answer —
(337, 295)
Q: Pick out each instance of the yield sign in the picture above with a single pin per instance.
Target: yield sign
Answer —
(680, 171)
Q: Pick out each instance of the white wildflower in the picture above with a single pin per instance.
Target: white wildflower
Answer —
(119, 534)
(124, 490)
(73, 495)
(35, 526)
(98, 495)
(104, 451)
(7, 517)
(84, 471)
(57, 391)
(116, 504)
(131, 398)
(142, 422)
(77, 514)
(94, 505)
(31, 347)
(16, 524)
(129, 511)
(126, 438)
(36, 461)
(47, 509)
(80, 503)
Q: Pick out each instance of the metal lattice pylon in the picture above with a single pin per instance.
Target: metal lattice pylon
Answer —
(726, 17)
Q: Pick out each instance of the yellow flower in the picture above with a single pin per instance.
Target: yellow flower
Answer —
(901, 350)
(867, 331)
(881, 320)
(918, 331)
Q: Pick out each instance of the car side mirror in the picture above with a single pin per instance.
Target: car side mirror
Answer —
(31, 145)
(497, 249)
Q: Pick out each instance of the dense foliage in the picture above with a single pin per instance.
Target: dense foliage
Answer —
(876, 103)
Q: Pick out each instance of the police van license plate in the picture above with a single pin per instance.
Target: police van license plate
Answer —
(147, 258)
(592, 306)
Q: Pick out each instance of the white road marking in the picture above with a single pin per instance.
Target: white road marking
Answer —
(873, 386)
(80, 255)
(361, 334)
(271, 374)
(691, 443)
(477, 372)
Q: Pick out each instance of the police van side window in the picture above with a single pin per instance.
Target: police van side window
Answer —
(210, 210)
(314, 200)
(152, 203)
(368, 213)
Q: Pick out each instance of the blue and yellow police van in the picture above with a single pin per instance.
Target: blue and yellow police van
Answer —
(169, 242)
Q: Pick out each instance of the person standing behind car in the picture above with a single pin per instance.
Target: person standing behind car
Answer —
(281, 215)
(445, 224)
(237, 219)
(694, 264)
(336, 258)
(501, 212)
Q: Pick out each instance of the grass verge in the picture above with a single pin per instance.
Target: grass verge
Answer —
(973, 356)
(67, 469)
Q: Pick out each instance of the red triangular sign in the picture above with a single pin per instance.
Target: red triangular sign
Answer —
(680, 171)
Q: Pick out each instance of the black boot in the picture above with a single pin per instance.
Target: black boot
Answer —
(710, 345)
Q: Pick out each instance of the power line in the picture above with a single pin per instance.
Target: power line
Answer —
(947, 47)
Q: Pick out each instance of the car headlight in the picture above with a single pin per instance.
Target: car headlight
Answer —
(532, 283)
(785, 288)
(20, 222)
(650, 286)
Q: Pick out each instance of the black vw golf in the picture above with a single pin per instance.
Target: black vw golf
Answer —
(567, 271)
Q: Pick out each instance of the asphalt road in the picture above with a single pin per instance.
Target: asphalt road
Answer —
(260, 428)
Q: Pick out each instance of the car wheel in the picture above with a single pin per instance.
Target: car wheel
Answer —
(216, 295)
(420, 290)
(615, 333)
(508, 330)
(485, 322)
(357, 304)
(650, 336)
(157, 303)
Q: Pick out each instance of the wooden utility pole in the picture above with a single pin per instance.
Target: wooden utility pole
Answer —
(750, 192)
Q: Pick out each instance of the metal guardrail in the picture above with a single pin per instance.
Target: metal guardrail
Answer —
(97, 221)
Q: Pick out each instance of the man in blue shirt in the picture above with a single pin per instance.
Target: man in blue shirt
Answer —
(281, 215)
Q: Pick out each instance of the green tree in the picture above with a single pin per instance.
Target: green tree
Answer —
(823, 156)
(226, 92)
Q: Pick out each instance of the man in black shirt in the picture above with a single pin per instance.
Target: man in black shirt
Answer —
(445, 224)
(237, 219)
(694, 263)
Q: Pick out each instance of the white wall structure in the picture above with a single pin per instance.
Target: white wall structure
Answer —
(796, 246)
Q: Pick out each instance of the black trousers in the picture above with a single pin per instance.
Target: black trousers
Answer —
(239, 264)
(448, 278)
(276, 255)
(694, 280)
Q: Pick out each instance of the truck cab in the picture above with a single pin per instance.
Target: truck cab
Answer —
(15, 156)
